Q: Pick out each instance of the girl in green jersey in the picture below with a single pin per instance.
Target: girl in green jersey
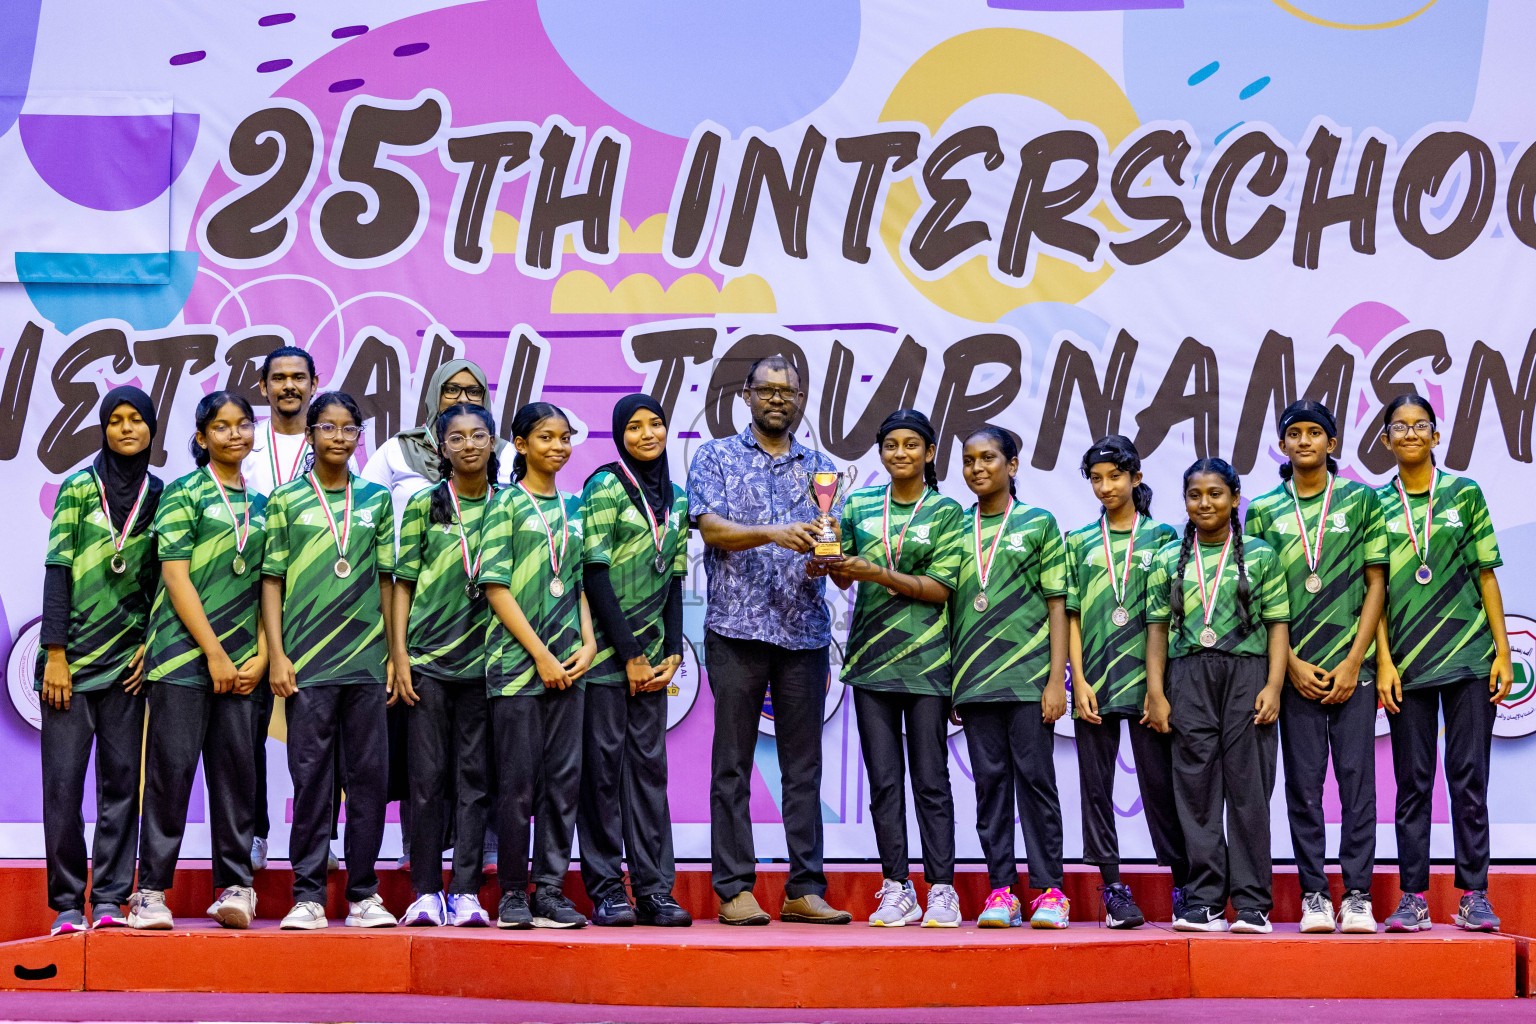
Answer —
(439, 656)
(1442, 649)
(902, 546)
(207, 653)
(98, 579)
(1225, 643)
(539, 646)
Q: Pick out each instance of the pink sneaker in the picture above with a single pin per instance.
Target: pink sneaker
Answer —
(1051, 908)
(1002, 910)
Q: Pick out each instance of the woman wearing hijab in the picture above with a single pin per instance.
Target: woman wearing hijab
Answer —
(635, 533)
(407, 464)
(99, 578)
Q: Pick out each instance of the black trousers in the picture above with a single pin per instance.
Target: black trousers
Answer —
(321, 718)
(1011, 750)
(1098, 746)
(881, 716)
(1309, 731)
(261, 725)
(113, 720)
(1223, 775)
(624, 793)
(740, 674)
(537, 744)
(187, 723)
(1469, 718)
(447, 729)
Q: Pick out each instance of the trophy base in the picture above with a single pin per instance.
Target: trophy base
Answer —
(828, 550)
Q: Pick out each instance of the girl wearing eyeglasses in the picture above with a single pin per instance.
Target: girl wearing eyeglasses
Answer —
(325, 593)
(1441, 648)
(439, 660)
(206, 655)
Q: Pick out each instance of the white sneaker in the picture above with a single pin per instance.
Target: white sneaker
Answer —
(369, 913)
(898, 905)
(426, 912)
(306, 916)
(147, 909)
(235, 907)
(1355, 916)
(259, 853)
(465, 911)
(943, 907)
(1316, 912)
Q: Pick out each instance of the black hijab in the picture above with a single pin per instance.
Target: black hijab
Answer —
(654, 477)
(122, 475)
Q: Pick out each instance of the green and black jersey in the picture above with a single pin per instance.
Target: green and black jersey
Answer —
(1114, 657)
(446, 633)
(1268, 602)
(1004, 652)
(896, 644)
(1324, 624)
(333, 630)
(1438, 632)
(108, 611)
(517, 556)
(618, 534)
(195, 527)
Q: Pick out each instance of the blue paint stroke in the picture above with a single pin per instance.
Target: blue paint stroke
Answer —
(1253, 88)
(1205, 72)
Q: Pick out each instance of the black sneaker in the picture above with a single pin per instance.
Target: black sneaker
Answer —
(1180, 902)
(1475, 913)
(1120, 909)
(613, 911)
(1252, 922)
(1200, 919)
(661, 910)
(513, 912)
(552, 910)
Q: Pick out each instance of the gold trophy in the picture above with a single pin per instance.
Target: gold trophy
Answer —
(827, 489)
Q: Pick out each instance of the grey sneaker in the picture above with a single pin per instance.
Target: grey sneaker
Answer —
(147, 909)
(1316, 912)
(307, 916)
(943, 907)
(107, 915)
(259, 853)
(898, 905)
(67, 922)
(1475, 913)
(1355, 915)
(369, 913)
(236, 908)
(1411, 915)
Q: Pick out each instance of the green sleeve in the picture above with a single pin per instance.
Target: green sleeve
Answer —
(1272, 592)
(176, 523)
(1074, 585)
(1376, 550)
(384, 534)
(949, 548)
(850, 534)
(1053, 560)
(274, 557)
(61, 528)
(1158, 588)
(600, 511)
(680, 508)
(1255, 522)
(496, 534)
(414, 525)
(1485, 540)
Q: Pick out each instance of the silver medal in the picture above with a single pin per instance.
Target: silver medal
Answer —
(556, 587)
(1314, 583)
(980, 604)
(120, 565)
(472, 590)
(1120, 616)
(1207, 637)
(238, 565)
(661, 562)
(1421, 575)
(343, 568)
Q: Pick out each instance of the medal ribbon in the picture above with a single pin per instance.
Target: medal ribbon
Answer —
(892, 559)
(658, 533)
(984, 568)
(242, 531)
(458, 516)
(1209, 606)
(277, 476)
(565, 527)
(1314, 558)
(1429, 515)
(339, 536)
(1118, 589)
(133, 514)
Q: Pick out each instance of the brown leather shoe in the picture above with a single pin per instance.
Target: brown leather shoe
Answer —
(743, 909)
(812, 909)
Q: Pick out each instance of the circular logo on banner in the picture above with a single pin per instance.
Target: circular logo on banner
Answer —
(1517, 712)
(21, 673)
(683, 691)
(835, 691)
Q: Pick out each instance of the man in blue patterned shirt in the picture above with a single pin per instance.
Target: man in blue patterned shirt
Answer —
(767, 624)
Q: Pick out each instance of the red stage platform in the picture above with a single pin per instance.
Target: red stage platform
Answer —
(777, 966)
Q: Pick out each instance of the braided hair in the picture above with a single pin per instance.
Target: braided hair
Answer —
(1005, 444)
(208, 408)
(318, 406)
(1409, 398)
(442, 504)
(1120, 452)
(1229, 476)
(528, 417)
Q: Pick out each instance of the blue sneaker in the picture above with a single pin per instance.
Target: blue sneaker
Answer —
(1411, 915)
(1002, 910)
(1051, 908)
(1475, 913)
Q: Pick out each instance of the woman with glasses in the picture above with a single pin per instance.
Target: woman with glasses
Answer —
(439, 661)
(325, 591)
(206, 655)
(1441, 648)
